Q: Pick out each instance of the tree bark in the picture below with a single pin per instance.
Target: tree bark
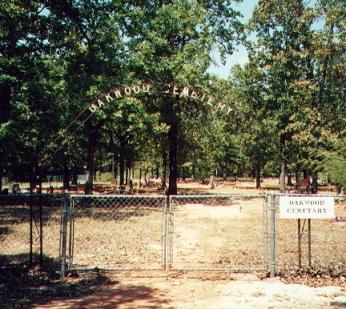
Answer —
(297, 176)
(115, 167)
(289, 180)
(282, 176)
(74, 178)
(66, 180)
(121, 164)
(314, 185)
(164, 168)
(140, 178)
(258, 175)
(126, 176)
(282, 165)
(1, 169)
(173, 149)
(5, 106)
(89, 185)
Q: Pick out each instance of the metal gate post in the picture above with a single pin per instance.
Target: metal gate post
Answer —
(63, 235)
(170, 233)
(265, 232)
(272, 210)
(71, 232)
(165, 242)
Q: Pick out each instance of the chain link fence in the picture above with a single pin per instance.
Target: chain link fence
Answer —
(30, 229)
(236, 233)
(219, 233)
(117, 232)
(315, 244)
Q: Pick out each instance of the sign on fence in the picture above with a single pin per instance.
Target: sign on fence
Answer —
(306, 207)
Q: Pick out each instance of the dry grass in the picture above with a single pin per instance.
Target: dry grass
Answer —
(114, 243)
(15, 231)
(225, 237)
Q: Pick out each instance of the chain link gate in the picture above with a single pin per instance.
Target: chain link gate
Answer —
(219, 232)
(116, 232)
(184, 232)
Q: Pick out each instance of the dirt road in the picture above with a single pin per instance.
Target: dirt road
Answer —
(187, 290)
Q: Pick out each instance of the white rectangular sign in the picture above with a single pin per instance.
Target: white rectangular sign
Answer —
(306, 207)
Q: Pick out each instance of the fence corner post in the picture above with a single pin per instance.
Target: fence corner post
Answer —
(63, 235)
(167, 234)
(272, 208)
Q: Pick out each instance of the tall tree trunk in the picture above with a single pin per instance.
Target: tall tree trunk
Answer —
(306, 174)
(89, 185)
(1, 169)
(32, 177)
(115, 167)
(5, 106)
(140, 178)
(314, 185)
(173, 149)
(282, 165)
(121, 164)
(289, 180)
(297, 176)
(164, 167)
(74, 181)
(193, 169)
(93, 136)
(66, 180)
(258, 175)
(282, 176)
(126, 176)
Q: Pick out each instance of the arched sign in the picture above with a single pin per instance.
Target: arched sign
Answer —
(171, 89)
(129, 91)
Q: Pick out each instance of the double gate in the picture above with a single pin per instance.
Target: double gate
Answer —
(184, 232)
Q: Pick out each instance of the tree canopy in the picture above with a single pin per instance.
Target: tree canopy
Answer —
(286, 105)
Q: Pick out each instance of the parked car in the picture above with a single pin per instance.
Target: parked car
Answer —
(17, 189)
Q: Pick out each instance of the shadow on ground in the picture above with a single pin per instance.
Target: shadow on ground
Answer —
(24, 287)
(129, 296)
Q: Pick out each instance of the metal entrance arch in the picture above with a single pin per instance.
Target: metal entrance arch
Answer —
(131, 91)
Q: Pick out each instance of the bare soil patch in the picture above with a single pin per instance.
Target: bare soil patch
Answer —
(202, 290)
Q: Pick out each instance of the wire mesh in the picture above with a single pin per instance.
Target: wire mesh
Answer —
(328, 242)
(218, 232)
(117, 232)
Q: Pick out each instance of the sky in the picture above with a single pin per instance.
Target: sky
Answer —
(240, 55)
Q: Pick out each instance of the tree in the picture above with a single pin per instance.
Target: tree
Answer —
(90, 40)
(26, 91)
(283, 30)
(172, 41)
(257, 129)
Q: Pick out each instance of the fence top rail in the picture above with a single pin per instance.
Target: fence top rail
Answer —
(126, 196)
(200, 196)
(172, 196)
(31, 194)
(311, 195)
(207, 196)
